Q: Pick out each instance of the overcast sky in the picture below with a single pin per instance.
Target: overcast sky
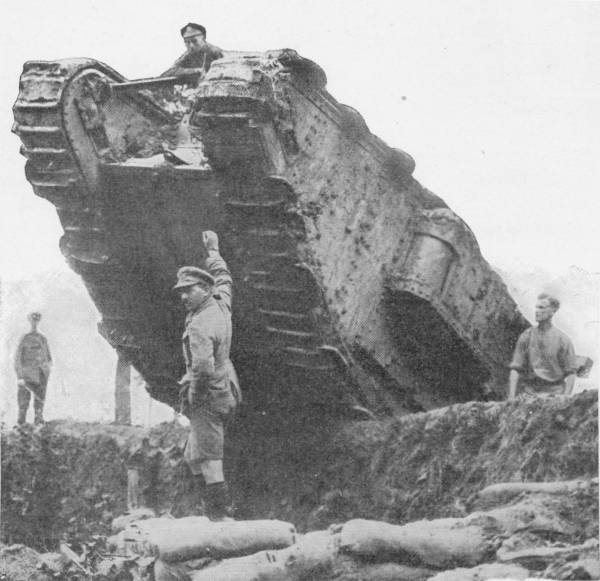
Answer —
(497, 101)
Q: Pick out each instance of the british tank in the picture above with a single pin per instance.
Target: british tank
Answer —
(355, 286)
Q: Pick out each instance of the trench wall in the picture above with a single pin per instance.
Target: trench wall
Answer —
(66, 479)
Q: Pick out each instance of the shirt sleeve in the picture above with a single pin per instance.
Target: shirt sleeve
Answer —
(223, 281)
(202, 357)
(567, 358)
(215, 52)
(520, 360)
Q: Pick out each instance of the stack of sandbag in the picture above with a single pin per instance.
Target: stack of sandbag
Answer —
(189, 544)
(372, 549)
(375, 550)
(517, 530)
(542, 525)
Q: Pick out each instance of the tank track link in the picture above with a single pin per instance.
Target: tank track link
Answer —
(266, 229)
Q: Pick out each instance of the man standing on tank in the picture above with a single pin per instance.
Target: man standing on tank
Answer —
(33, 362)
(210, 385)
(544, 358)
(199, 54)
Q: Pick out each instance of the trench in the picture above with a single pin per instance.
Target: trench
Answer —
(66, 481)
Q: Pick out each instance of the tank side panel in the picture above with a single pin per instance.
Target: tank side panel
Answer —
(358, 220)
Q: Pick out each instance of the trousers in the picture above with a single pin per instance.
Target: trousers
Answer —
(24, 395)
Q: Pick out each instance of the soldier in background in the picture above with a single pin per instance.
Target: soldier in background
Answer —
(199, 54)
(210, 386)
(33, 362)
(544, 359)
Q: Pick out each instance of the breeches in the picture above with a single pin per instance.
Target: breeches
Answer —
(206, 438)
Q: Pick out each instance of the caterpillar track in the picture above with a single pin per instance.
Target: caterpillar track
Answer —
(355, 287)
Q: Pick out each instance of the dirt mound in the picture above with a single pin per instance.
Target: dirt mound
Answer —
(68, 480)
(416, 466)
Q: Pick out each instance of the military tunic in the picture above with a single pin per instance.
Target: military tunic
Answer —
(200, 58)
(32, 364)
(209, 371)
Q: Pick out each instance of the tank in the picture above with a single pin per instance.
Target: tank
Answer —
(354, 284)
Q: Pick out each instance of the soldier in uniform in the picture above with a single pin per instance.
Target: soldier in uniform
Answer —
(544, 359)
(32, 365)
(199, 54)
(210, 386)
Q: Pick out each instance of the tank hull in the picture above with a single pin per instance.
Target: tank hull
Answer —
(353, 283)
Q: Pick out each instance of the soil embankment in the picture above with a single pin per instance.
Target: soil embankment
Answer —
(67, 481)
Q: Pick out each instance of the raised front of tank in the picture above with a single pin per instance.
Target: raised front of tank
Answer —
(353, 284)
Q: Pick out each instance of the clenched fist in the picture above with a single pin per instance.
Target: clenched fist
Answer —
(210, 240)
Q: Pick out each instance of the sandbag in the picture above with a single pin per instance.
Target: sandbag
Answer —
(313, 554)
(311, 557)
(347, 567)
(263, 566)
(137, 537)
(219, 540)
(487, 571)
(177, 571)
(441, 543)
(537, 512)
(538, 558)
(503, 492)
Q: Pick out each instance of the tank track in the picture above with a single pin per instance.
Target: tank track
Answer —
(51, 167)
(43, 120)
(289, 315)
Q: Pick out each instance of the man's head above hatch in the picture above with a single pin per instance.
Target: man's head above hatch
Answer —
(545, 307)
(194, 36)
(194, 286)
(34, 318)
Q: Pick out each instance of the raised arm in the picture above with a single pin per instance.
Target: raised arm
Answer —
(218, 267)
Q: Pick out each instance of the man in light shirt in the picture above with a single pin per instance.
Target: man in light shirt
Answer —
(544, 359)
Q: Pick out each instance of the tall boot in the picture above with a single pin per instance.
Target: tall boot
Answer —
(200, 492)
(22, 416)
(219, 505)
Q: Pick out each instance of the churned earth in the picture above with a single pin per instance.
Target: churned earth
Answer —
(65, 482)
